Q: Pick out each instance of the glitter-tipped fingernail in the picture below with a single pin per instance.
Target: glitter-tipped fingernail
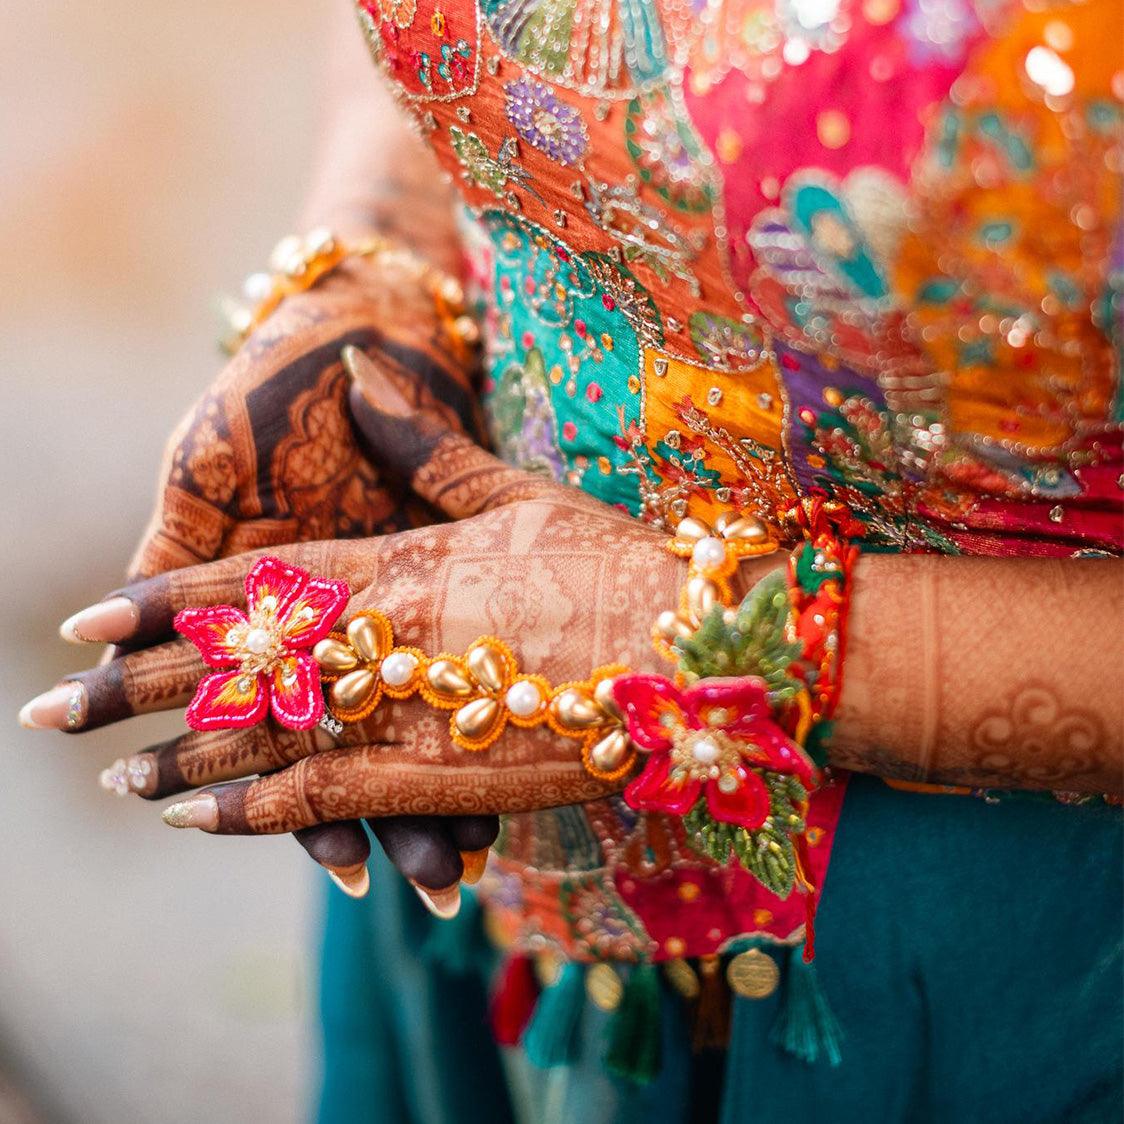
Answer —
(196, 811)
(61, 708)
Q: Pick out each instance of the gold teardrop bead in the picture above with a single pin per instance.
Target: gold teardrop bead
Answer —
(488, 667)
(447, 679)
(724, 520)
(603, 693)
(691, 528)
(334, 657)
(609, 753)
(702, 596)
(353, 690)
(476, 718)
(364, 638)
(576, 710)
(748, 528)
(671, 625)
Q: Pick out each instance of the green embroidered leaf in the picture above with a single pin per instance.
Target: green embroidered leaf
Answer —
(766, 853)
(752, 643)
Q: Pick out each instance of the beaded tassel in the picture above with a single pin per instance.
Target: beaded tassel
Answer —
(553, 1035)
(634, 1033)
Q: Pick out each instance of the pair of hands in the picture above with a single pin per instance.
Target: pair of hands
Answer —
(569, 582)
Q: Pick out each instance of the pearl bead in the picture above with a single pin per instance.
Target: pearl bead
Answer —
(257, 641)
(523, 699)
(257, 287)
(709, 553)
(705, 751)
(398, 668)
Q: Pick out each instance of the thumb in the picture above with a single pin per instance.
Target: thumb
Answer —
(406, 433)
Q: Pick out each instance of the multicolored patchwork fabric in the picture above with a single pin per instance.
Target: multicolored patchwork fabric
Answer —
(735, 251)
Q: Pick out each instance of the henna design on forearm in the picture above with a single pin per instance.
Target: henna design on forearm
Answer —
(986, 673)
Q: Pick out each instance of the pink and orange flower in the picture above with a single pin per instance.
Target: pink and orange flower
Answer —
(712, 739)
(266, 652)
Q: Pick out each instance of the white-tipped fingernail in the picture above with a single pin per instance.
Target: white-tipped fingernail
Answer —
(445, 904)
(107, 622)
(61, 708)
(354, 881)
(197, 811)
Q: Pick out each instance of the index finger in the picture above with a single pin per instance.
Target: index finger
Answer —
(142, 613)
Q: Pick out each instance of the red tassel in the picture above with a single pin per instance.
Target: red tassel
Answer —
(809, 928)
(514, 999)
(803, 865)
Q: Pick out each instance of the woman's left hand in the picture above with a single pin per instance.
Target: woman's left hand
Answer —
(567, 582)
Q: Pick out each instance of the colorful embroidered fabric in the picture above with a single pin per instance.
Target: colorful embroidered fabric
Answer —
(732, 252)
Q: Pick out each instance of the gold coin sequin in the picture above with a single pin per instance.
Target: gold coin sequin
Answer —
(548, 967)
(753, 974)
(683, 978)
(604, 987)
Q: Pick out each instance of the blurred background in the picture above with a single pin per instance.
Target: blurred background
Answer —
(151, 154)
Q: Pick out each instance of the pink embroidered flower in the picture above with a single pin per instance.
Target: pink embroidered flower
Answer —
(266, 651)
(708, 739)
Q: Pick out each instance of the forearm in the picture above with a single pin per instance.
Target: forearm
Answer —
(372, 171)
(1005, 673)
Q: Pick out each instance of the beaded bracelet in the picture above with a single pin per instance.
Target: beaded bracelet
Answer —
(297, 264)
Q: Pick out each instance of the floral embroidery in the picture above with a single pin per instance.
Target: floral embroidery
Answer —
(266, 651)
(543, 121)
(480, 168)
(710, 741)
(553, 38)
(724, 343)
(666, 152)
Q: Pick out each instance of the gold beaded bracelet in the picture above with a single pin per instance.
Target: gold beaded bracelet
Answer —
(298, 263)
(484, 688)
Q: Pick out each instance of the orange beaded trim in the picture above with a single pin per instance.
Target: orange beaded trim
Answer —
(483, 689)
(298, 264)
(714, 553)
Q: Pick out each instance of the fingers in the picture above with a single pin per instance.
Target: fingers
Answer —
(473, 836)
(160, 678)
(473, 833)
(444, 467)
(383, 780)
(211, 757)
(142, 613)
(342, 849)
(423, 851)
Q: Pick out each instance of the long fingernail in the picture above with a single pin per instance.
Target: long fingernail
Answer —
(377, 389)
(474, 864)
(444, 904)
(134, 774)
(354, 881)
(61, 708)
(196, 811)
(107, 622)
